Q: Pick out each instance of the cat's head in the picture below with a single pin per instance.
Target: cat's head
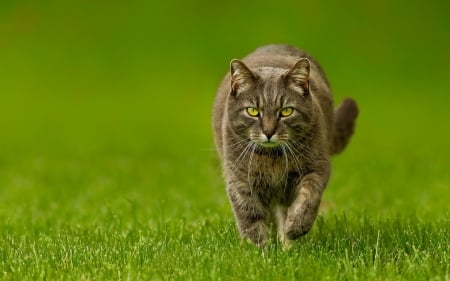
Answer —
(270, 106)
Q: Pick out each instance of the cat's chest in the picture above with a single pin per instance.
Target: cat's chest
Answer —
(270, 169)
(274, 181)
(274, 172)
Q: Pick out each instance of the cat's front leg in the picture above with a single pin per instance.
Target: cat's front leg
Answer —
(303, 210)
(251, 216)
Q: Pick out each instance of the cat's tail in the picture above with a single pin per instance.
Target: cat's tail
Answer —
(344, 124)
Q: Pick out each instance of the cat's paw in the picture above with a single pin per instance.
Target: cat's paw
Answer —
(286, 243)
(257, 233)
(299, 221)
(295, 228)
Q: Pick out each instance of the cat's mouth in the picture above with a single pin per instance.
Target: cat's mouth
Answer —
(269, 144)
(268, 148)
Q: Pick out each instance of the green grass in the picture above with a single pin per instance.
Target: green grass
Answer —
(338, 249)
(107, 164)
(93, 201)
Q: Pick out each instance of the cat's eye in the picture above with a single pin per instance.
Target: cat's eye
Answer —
(286, 111)
(252, 111)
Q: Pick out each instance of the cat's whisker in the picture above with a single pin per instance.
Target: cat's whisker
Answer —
(237, 162)
(287, 164)
(242, 156)
(250, 162)
(295, 158)
(238, 144)
(300, 148)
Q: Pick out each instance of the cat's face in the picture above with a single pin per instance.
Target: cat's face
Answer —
(270, 107)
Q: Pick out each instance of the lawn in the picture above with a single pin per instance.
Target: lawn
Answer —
(107, 163)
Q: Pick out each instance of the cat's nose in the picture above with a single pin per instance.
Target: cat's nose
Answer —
(269, 126)
(269, 133)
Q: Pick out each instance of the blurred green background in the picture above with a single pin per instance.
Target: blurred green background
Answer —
(102, 100)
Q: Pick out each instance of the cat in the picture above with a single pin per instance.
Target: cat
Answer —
(275, 130)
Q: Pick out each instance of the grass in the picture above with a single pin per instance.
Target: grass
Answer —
(107, 165)
(401, 249)
(132, 206)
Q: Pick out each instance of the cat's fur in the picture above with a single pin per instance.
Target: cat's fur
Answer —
(280, 181)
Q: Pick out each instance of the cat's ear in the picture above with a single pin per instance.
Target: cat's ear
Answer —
(298, 76)
(241, 77)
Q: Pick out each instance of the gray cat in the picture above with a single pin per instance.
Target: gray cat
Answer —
(275, 130)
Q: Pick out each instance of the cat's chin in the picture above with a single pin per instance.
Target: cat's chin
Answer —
(269, 148)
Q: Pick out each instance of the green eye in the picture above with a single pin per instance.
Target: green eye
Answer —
(287, 111)
(252, 111)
